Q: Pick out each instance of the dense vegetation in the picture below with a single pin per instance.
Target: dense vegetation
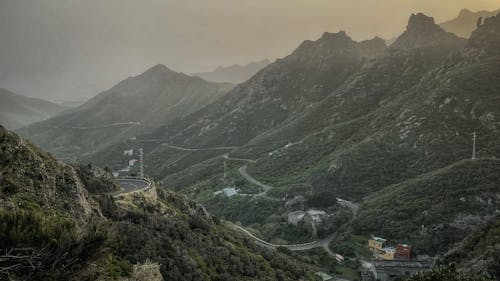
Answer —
(52, 228)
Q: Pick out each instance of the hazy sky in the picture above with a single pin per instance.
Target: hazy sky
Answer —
(66, 49)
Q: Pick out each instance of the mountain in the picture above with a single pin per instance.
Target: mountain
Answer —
(136, 105)
(17, 111)
(466, 22)
(373, 136)
(350, 120)
(423, 32)
(278, 92)
(59, 222)
(235, 73)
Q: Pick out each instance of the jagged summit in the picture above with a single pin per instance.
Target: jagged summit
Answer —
(159, 69)
(487, 36)
(420, 23)
(335, 36)
(423, 32)
(334, 43)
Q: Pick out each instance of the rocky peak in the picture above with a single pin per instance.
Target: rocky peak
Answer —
(422, 32)
(421, 23)
(341, 35)
(487, 36)
(159, 69)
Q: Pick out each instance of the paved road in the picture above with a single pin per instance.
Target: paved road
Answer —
(128, 185)
(199, 149)
(323, 243)
(291, 247)
(226, 156)
(248, 177)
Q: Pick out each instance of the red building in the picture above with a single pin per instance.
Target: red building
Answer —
(403, 252)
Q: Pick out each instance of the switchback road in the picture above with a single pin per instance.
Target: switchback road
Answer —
(129, 185)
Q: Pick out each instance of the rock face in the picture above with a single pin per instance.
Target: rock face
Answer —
(423, 32)
(27, 172)
(487, 36)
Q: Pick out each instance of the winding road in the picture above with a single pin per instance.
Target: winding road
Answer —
(129, 185)
(248, 177)
(322, 243)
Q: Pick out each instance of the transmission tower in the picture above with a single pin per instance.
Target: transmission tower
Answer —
(141, 160)
(474, 146)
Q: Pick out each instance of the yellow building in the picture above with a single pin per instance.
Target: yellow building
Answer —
(379, 250)
(376, 244)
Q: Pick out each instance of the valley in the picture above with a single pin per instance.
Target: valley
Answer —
(351, 159)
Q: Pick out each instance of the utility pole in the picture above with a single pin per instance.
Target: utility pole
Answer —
(141, 160)
(224, 169)
(474, 146)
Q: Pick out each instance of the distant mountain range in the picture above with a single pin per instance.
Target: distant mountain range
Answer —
(466, 22)
(17, 111)
(235, 73)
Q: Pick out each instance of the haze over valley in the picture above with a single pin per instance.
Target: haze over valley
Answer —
(366, 147)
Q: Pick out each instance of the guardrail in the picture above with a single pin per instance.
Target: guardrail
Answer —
(149, 185)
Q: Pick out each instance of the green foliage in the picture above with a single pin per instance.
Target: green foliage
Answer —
(449, 273)
(115, 267)
(35, 228)
(420, 211)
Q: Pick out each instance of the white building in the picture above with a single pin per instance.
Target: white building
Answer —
(295, 217)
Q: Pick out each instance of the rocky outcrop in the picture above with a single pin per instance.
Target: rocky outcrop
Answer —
(423, 32)
(487, 36)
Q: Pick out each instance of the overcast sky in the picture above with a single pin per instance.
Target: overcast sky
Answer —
(67, 49)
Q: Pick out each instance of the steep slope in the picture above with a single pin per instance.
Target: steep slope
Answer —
(434, 210)
(17, 111)
(466, 22)
(408, 112)
(54, 229)
(357, 138)
(136, 105)
(278, 92)
(234, 74)
(479, 251)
